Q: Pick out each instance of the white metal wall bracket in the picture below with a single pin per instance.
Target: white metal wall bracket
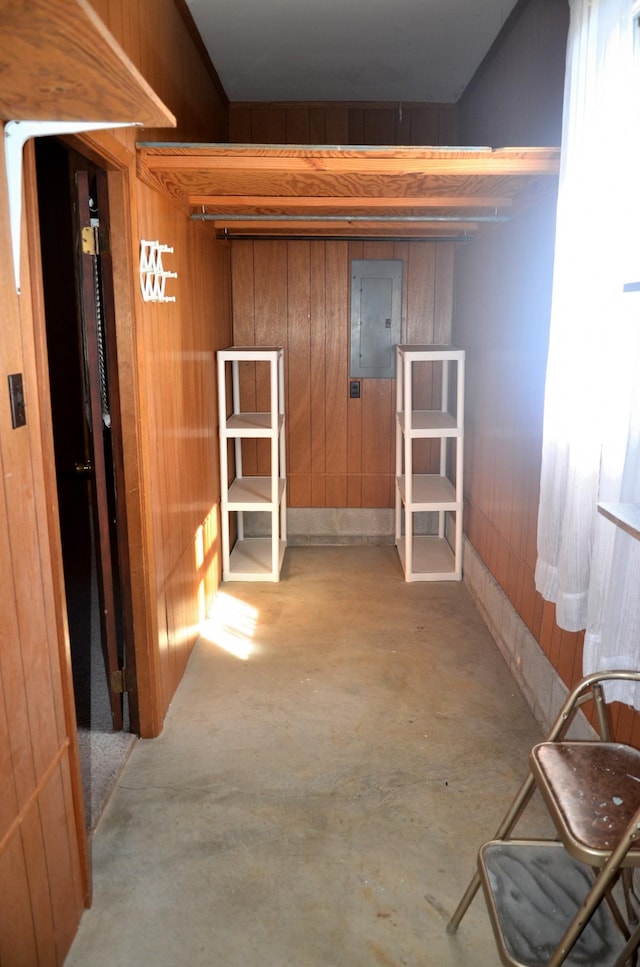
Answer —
(16, 134)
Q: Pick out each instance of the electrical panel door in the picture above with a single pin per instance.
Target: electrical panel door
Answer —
(376, 308)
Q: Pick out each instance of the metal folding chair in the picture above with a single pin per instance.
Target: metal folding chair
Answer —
(557, 902)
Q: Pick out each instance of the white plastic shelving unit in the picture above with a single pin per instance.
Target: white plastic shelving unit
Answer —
(429, 556)
(252, 558)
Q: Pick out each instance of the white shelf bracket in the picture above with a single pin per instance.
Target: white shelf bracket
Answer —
(16, 134)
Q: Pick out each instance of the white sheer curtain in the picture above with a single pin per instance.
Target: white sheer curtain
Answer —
(591, 445)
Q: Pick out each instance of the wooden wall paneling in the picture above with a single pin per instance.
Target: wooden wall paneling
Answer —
(380, 126)
(298, 129)
(174, 63)
(318, 296)
(356, 130)
(240, 125)
(448, 127)
(244, 334)
(180, 341)
(378, 442)
(402, 126)
(634, 737)
(355, 409)
(33, 676)
(39, 854)
(17, 932)
(337, 125)
(51, 840)
(270, 280)
(337, 287)
(443, 292)
(377, 249)
(164, 645)
(318, 127)
(30, 650)
(424, 125)
(269, 126)
(565, 656)
(298, 409)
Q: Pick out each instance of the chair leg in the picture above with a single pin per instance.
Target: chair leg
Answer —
(512, 816)
(604, 880)
(629, 953)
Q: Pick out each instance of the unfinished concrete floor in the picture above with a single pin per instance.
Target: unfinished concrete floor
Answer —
(319, 791)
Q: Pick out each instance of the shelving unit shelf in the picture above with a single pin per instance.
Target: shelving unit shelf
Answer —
(252, 558)
(429, 556)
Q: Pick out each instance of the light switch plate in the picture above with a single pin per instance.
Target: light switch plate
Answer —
(16, 398)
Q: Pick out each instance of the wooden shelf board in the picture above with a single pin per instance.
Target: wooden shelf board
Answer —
(60, 63)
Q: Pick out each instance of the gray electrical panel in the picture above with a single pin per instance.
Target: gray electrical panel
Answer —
(376, 314)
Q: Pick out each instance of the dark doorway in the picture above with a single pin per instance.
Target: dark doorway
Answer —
(86, 421)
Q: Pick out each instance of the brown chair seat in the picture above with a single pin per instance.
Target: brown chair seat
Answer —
(592, 790)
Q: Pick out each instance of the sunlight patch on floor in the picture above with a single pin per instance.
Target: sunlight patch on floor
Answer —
(231, 625)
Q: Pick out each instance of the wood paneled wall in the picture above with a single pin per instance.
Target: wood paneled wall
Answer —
(502, 299)
(295, 294)
(160, 39)
(178, 345)
(42, 887)
(318, 123)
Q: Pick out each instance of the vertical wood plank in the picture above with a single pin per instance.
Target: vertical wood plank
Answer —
(356, 130)
(299, 492)
(271, 325)
(244, 334)
(336, 358)
(318, 127)
(318, 346)
(298, 353)
(337, 125)
(380, 126)
(269, 126)
(425, 127)
(297, 126)
(240, 125)
(17, 935)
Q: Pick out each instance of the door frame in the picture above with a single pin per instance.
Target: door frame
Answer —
(119, 163)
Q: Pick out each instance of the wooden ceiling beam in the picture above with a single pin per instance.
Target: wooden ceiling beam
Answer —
(413, 191)
(363, 164)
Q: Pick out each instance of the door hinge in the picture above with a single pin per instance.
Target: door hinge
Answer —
(90, 240)
(123, 680)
